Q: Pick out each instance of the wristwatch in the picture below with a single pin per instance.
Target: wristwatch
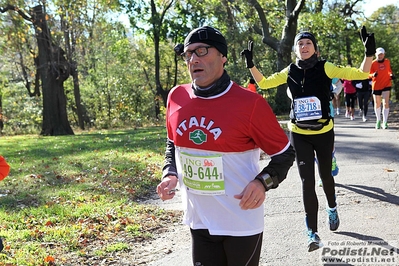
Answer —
(267, 180)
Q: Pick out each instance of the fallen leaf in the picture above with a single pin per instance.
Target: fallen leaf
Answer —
(49, 223)
(389, 170)
(49, 259)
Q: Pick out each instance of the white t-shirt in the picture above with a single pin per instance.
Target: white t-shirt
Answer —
(217, 147)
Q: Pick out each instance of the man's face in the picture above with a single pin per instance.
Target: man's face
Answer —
(380, 56)
(207, 69)
(304, 49)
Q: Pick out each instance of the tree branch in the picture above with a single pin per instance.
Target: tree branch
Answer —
(16, 9)
(267, 38)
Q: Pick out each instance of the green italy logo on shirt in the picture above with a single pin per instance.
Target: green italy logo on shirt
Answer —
(198, 136)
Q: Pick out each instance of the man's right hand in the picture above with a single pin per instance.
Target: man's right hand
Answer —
(248, 55)
(166, 189)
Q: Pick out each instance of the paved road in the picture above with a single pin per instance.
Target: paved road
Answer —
(368, 202)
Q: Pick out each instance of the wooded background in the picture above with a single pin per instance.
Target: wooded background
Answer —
(76, 65)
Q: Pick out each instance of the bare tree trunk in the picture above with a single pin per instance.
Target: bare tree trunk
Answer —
(70, 41)
(78, 102)
(54, 70)
(348, 50)
(232, 25)
(156, 29)
(1, 114)
(282, 46)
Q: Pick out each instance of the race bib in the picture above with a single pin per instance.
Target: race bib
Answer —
(307, 108)
(203, 174)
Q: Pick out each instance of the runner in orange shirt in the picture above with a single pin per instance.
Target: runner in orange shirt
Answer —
(381, 76)
(251, 85)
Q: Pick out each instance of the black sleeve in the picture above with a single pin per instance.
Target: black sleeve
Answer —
(366, 84)
(170, 161)
(279, 165)
(354, 82)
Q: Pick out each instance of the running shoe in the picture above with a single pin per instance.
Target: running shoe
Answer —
(333, 219)
(347, 115)
(364, 119)
(337, 113)
(378, 124)
(385, 125)
(352, 117)
(334, 167)
(314, 241)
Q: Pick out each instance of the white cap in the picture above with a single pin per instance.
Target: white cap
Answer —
(379, 50)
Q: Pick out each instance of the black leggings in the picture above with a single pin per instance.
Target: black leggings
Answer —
(209, 250)
(350, 99)
(305, 148)
(363, 99)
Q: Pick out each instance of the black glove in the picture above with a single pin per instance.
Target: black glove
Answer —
(179, 48)
(248, 54)
(368, 41)
(375, 74)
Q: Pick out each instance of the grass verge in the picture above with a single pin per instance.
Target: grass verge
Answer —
(74, 197)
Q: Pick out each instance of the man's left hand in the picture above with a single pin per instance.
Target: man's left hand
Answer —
(252, 196)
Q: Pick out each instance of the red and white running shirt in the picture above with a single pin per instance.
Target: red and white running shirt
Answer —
(218, 141)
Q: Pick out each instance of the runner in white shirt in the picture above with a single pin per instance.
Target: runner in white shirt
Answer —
(216, 130)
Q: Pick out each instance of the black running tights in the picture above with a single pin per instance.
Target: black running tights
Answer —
(306, 148)
(210, 250)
